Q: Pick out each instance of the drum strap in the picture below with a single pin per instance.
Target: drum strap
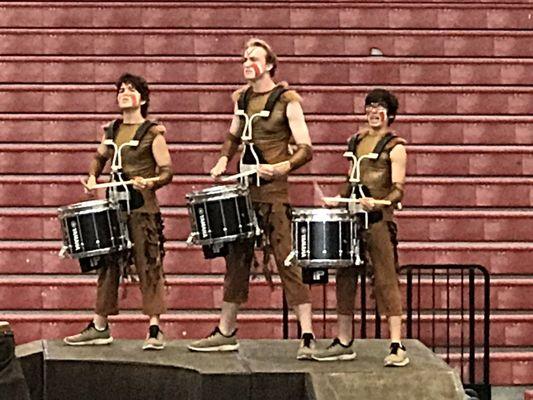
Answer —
(380, 146)
(112, 129)
(273, 98)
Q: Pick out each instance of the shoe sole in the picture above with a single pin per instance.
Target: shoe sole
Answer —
(226, 347)
(94, 342)
(398, 364)
(343, 357)
(304, 357)
(153, 347)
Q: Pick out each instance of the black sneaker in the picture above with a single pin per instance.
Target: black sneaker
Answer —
(397, 356)
(154, 340)
(307, 347)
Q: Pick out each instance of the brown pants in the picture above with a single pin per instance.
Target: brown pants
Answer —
(146, 233)
(382, 254)
(275, 221)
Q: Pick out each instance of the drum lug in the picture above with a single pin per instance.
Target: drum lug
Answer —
(63, 252)
(191, 239)
(290, 258)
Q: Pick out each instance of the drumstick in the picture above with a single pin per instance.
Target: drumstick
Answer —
(130, 182)
(250, 172)
(239, 175)
(347, 200)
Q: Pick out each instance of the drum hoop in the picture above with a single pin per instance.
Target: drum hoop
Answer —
(330, 263)
(85, 207)
(225, 239)
(320, 214)
(221, 190)
(87, 212)
(99, 252)
(222, 196)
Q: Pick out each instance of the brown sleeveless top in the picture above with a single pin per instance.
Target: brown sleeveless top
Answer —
(377, 174)
(271, 136)
(140, 161)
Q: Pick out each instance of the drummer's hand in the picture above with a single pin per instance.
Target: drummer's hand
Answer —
(219, 168)
(266, 171)
(368, 203)
(139, 183)
(89, 184)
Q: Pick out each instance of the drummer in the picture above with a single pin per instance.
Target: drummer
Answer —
(150, 158)
(385, 178)
(271, 137)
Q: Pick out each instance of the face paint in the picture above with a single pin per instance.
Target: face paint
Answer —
(252, 69)
(383, 115)
(128, 97)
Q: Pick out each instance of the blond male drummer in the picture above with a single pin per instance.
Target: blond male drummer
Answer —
(149, 159)
(385, 178)
(271, 201)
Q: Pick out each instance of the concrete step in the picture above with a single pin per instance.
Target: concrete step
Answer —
(286, 42)
(449, 101)
(297, 70)
(55, 190)
(327, 159)
(414, 225)
(324, 129)
(508, 14)
(41, 257)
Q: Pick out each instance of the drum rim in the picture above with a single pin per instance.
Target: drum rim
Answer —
(99, 252)
(322, 215)
(86, 205)
(225, 239)
(330, 263)
(218, 190)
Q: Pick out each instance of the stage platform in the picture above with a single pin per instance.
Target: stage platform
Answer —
(260, 370)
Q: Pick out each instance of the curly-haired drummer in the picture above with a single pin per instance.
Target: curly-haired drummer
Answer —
(384, 177)
(150, 158)
(271, 138)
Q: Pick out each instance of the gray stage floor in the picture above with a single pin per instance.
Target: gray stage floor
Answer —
(262, 369)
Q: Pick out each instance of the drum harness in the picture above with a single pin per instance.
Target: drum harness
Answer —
(251, 156)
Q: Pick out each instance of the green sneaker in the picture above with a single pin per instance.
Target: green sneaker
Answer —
(397, 356)
(216, 341)
(336, 351)
(90, 336)
(307, 347)
(154, 340)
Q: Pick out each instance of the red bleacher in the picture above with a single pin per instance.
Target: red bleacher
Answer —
(461, 72)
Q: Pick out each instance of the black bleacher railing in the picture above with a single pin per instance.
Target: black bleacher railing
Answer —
(439, 298)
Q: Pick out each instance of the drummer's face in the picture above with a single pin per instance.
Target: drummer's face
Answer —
(376, 115)
(254, 63)
(128, 97)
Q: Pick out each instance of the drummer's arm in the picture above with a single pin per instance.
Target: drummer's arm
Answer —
(164, 164)
(300, 133)
(229, 147)
(97, 164)
(398, 157)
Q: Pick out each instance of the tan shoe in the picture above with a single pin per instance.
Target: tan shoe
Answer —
(154, 340)
(216, 341)
(307, 347)
(397, 356)
(336, 351)
(90, 336)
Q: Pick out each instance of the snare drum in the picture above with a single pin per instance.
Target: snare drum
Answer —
(325, 237)
(221, 214)
(93, 228)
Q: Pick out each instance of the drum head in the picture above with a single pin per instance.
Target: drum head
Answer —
(93, 205)
(220, 191)
(320, 214)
